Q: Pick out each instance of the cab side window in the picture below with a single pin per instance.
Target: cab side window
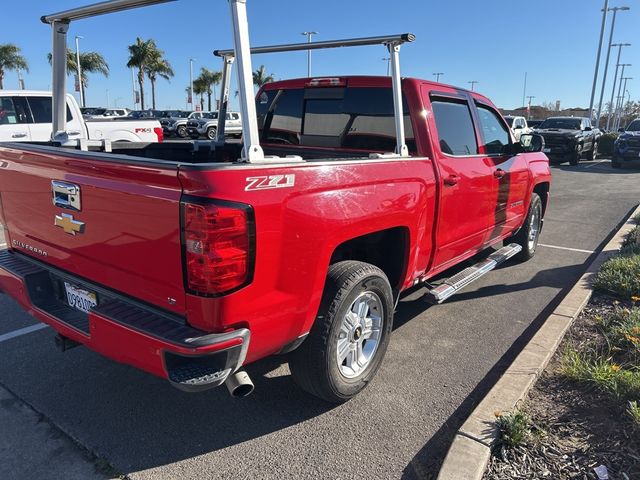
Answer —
(494, 134)
(42, 109)
(8, 112)
(455, 127)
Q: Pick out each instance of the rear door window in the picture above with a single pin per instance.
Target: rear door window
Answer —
(8, 112)
(456, 134)
(41, 109)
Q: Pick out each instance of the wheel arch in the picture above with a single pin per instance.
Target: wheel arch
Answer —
(542, 189)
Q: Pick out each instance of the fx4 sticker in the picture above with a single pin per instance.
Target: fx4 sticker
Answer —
(270, 181)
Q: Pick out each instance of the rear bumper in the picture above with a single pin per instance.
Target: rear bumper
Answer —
(123, 329)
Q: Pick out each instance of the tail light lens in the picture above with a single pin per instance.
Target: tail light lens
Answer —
(218, 241)
(159, 133)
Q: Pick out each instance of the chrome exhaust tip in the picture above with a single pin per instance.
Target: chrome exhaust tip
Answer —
(239, 384)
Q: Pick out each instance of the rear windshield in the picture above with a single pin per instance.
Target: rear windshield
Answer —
(566, 123)
(634, 126)
(356, 118)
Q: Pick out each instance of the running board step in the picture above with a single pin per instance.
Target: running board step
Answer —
(460, 280)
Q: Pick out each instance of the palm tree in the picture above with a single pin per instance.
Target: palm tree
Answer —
(142, 53)
(199, 88)
(11, 59)
(157, 67)
(208, 79)
(90, 62)
(260, 77)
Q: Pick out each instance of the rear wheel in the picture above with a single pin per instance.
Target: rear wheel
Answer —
(528, 236)
(349, 338)
(211, 133)
(181, 131)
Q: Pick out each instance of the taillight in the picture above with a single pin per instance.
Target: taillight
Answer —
(159, 133)
(326, 82)
(218, 241)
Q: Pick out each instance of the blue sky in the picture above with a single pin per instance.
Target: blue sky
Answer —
(494, 42)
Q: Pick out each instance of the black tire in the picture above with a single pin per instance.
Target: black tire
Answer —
(615, 163)
(522, 237)
(181, 132)
(575, 158)
(211, 133)
(314, 365)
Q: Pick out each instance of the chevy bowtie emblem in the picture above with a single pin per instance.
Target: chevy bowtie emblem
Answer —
(68, 224)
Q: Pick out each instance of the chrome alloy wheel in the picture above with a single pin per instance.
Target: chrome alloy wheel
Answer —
(534, 228)
(359, 334)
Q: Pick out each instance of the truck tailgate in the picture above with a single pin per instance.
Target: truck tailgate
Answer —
(124, 233)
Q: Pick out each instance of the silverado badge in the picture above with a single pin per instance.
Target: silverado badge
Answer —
(68, 224)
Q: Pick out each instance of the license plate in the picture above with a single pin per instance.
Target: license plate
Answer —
(546, 150)
(80, 299)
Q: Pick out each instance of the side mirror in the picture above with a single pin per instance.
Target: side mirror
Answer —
(621, 130)
(532, 142)
(587, 129)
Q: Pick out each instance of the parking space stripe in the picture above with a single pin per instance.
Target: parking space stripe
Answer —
(565, 248)
(22, 331)
(595, 164)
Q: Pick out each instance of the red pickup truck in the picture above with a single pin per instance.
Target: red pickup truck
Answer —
(190, 269)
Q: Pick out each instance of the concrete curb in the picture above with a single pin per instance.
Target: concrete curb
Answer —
(470, 450)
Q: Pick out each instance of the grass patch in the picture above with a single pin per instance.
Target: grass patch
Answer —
(602, 373)
(622, 329)
(620, 276)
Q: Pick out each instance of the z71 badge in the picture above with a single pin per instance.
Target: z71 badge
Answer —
(270, 181)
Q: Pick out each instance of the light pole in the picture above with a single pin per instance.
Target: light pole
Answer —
(595, 74)
(309, 35)
(20, 80)
(615, 78)
(438, 75)
(606, 63)
(524, 88)
(79, 68)
(473, 83)
(191, 60)
(529, 97)
(614, 111)
(621, 91)
(388, 60)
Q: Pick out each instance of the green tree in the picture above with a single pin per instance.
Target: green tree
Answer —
(90, 62)
(11, 59)
(208, 79)
(199, 88)
(141, 54)
(158, 66)
(260, 77)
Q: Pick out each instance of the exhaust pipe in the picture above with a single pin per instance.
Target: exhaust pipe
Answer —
(239, 384)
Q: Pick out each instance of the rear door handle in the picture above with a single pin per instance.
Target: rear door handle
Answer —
(19, 135)
(499, 173)
(451, 180)
(73, 132)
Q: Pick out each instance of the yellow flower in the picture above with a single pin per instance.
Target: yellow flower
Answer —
(497, 413)
(632, 339)
(615, 367)
(635, 298)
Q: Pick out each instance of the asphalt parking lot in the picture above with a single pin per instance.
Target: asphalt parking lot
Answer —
(440, 362)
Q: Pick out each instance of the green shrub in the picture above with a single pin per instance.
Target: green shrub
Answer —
(605, 144)
(620, 276)
(513, 429)
(622, 329)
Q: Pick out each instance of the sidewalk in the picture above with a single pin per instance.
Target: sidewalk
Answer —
(31, 447)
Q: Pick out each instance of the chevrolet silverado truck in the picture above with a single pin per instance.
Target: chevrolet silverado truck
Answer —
(190, 261)
(27, 116)
(568, 139)
(626, 148)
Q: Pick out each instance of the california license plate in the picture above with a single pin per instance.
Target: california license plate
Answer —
(80, 299)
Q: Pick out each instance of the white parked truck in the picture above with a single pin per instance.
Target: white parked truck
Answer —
(27, 116)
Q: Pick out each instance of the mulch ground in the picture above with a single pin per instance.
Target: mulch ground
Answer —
(577, 428)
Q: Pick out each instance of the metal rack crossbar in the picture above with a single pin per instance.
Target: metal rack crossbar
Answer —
(392, 42)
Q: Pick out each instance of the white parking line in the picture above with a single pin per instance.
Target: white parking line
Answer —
(566, 248)
(22, 331)
(596, 164)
